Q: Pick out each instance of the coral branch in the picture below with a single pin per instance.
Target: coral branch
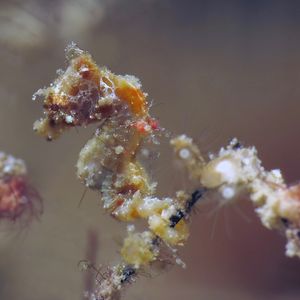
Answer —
(85, 94)
(237, 168)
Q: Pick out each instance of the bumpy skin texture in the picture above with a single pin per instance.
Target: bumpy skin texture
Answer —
(237, 168)
(85, 94)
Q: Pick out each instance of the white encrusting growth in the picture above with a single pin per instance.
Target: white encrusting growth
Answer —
(119, 149)
(228, 192)
(227, 171)
(237, 168)
(184, 153)
(69, 119)
(10, 165)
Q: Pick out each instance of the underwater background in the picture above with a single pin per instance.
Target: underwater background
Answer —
(214, 70)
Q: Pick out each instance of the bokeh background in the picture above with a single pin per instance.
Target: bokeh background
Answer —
(214, 70)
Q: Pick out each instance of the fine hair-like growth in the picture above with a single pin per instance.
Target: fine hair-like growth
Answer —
(85, 94)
